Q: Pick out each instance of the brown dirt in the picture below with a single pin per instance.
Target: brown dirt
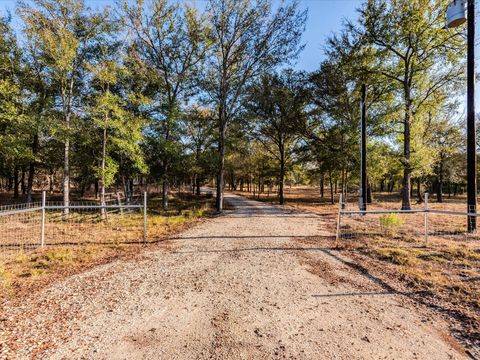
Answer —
(240, 286)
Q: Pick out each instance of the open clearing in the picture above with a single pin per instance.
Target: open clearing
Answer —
(240, 286)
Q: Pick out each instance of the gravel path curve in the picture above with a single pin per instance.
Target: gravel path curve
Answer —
(240, 286)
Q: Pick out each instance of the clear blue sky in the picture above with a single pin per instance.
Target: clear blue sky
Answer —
(324, 18)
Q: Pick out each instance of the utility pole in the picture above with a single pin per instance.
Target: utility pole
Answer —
(456, 17)
(471, 131)
(363, 146)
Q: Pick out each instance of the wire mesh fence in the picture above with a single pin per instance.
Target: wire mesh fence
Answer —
(19, 226)
(26, 227)
(422, 224)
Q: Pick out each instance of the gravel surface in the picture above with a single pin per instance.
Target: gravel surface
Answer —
(239, 286)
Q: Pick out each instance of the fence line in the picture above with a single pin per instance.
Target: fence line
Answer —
(32, 226)
(364, 218)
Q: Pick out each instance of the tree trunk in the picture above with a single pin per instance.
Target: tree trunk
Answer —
(221, 165)
(322, 187)
(66, 158)
(440, 191)
(165, 186)
(125, 187)
(11, 181)
(440, 179)
(22, 182)
(66, 175)
(419, 190)
(369, 193)
(52, 181)
(15, 182)
(96, 188)
(31, 173)
(282, 173)
(197, 183)
(131, 188)
(102, 177)
(406, 205)
(332, 199)
(31, 170)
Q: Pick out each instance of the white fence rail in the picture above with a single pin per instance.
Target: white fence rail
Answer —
(30, 226)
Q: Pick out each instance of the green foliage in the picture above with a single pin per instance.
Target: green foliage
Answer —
(390, 223)
(188, 96)
(170, 45)
(268, 38)
(277, 106)
(404, 43)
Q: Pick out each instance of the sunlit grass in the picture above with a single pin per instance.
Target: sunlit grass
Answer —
(97, 241)
(446, 268)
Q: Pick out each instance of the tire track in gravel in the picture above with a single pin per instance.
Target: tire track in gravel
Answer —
(239, 286)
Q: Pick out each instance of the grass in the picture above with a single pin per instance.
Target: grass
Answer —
(445, 273)
(36, 269)
(99, 242)
(395, 256)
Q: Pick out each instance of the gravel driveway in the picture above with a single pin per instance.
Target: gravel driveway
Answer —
(240, 286)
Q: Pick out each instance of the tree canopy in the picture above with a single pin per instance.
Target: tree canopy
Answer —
(159, 93)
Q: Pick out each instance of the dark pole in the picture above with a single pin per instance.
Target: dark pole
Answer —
(363, 176)
(471, 141)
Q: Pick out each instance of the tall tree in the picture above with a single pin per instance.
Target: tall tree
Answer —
(14, 124)
(63, 32)
(410, 48)
(120, 131)
(278, 105)
(199, 131)
(251, 38)
(171, 41)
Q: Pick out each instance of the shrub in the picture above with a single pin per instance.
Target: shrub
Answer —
(390, 223)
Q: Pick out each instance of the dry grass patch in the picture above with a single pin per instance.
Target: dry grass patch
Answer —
(119, 238)
(30, 271)
(444, 275)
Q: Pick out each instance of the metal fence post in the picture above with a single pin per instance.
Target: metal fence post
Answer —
(44, 198)
(339, 216)
(145, 217)
(426, 219)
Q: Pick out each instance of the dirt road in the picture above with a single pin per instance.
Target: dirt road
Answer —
(240, 286)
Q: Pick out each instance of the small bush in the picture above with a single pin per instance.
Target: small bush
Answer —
(390, 223)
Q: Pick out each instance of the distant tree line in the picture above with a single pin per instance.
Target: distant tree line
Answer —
(158, 92)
